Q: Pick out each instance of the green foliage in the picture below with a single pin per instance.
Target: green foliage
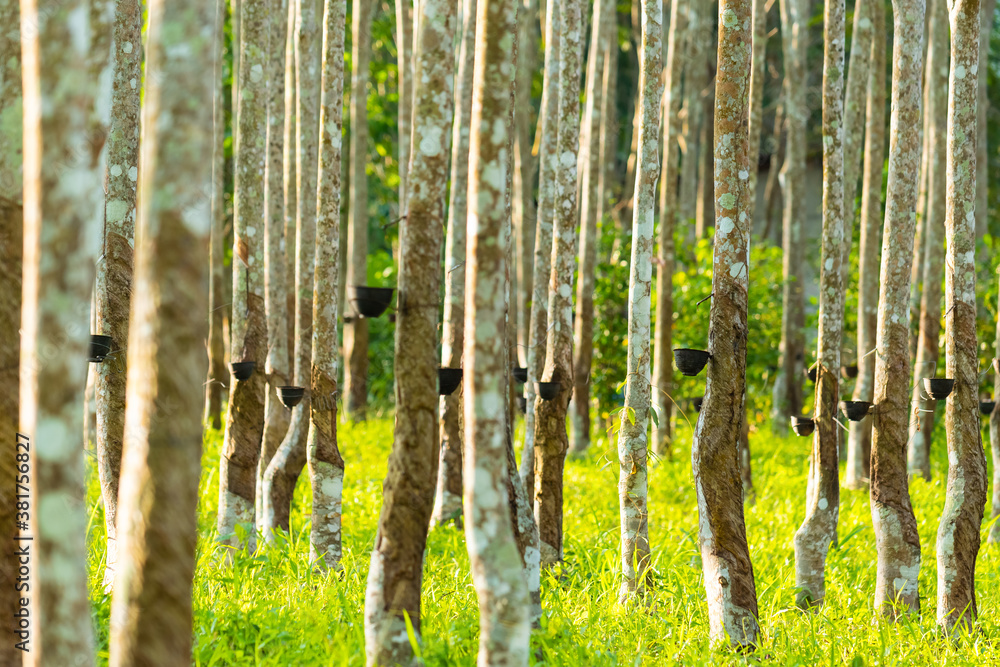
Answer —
(270, 608)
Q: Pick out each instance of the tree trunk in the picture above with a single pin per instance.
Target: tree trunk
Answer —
(695, 84)
(896, 537)
(218, 377)
(448, 495)
(819, 529)
(788, 384)
(551, 440)
(11, 223)
(290, 181)
(63, 145)
(994, 536)
(922, 410)
(632, 441)
(729, 583)
(356, 331)
(504, 621)
(394, 580)
(859, 442)
(958, 538)
(275, 270)
(663, 355)
(245, 418)
(982, 161)
(525, 172)
(537, 331)
(326, 465)
(151, 616)
(583, 327)
(757, 76)
(283, 472)
(609, 114)
(704, 215)
(772, 187)
(404, 73)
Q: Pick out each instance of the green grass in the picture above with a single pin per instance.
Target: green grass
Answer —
(270, 609)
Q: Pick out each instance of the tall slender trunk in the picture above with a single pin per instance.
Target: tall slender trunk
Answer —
(855, 96)
(609, 114)
(704, 213)
(695, 67)
(729, 582)
(404, 69)
(788, 384)
(632, 441)
(283, 471)
(504, 620)
(448, 496)
(772, 188)
(326, 465)
(394, 580)
(63, 145)
(525, 172)
(590, 167)
(11, 241)
(356, 331)
(923, 406)
(663, 355)
(994, 536)
(983, 105)
(537, 331)
(218, 377)
(819, 529)
(958, 538)
(551, 440)
(275, 270)
(896, 537)
(290, 180)
(859, 444)
(245, 419)
(151, 616)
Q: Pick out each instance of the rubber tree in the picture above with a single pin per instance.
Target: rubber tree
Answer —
(958, 538)
(404, 69)
(855, 105)
(987, 10)
(819, 528)
(551, 439)
(695, 54)
(725, 557)
(663, 355)
(356, 331)
(283, 471)
(245, 418)
(542, 265)
(61, 147)
(859, 442)
(448, 494)
(276, 364)
(632, 440)
(788, 384)
(218, 376)
(326, 465)
(922, 405)
(896, 538)
(11, 222)
(504, 619)
(152, 615)
(602, 27)
(290, 180)
(525, 170)
(392, 601)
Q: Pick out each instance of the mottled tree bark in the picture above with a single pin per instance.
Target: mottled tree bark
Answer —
(404, 74)
(11, 222)
(663, 355)
(982, 162)
(326, 465)
(602, 24)
(290, 180)
(819, 529)
(283, 471)
(859, 443)
(632, 441)
(525, 171)
(504, 620)
(62, 195)
(958, 538)
(542, 267)
(394, 580)
(922, 405)
(551, 439)
(356, 331)
(151, 617)
(695, 66)
(896, 537)
(245, 418)
(757, 76)
(788, 384)
(448, 495)
(276, 364)
(729, 582)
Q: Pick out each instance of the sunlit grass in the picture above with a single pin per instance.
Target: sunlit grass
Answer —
(271, 609)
